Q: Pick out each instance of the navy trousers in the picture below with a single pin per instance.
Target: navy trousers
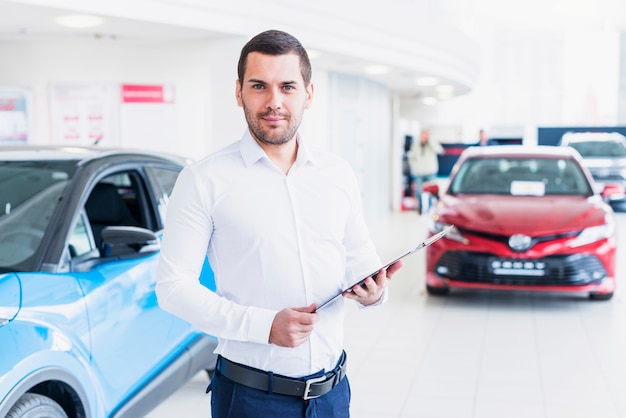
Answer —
(232, 400)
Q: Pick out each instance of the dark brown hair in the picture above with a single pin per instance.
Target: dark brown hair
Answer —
(275, 42)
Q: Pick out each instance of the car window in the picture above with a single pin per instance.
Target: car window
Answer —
(165, 177)
(29, 194)
(79, 239)
(520, 176)
(120, 199)
(600, 149)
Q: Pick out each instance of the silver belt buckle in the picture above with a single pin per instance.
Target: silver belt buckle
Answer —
(307, 387)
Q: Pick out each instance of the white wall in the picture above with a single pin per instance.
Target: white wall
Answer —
(186, 65)
(534, 79)
(360, 126)
(224, 121)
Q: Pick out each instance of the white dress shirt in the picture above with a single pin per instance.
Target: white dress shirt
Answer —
(274, 241)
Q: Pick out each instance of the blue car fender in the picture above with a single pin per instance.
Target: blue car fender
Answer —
(47, 359)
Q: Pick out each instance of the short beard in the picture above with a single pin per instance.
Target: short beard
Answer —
(266, 136)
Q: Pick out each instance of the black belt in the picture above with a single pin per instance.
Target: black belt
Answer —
(305, 388)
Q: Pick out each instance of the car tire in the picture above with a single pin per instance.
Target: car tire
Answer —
(33, 405)
(437, 291)
(600, 296)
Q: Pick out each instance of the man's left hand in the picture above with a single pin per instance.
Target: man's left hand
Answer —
(372, 289)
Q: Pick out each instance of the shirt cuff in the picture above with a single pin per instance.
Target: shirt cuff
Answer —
(260, 325)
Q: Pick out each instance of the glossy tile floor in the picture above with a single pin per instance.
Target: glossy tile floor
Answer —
(472, 354)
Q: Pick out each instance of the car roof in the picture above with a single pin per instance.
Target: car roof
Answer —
(80, 154)
(572, 137)
(520, 151)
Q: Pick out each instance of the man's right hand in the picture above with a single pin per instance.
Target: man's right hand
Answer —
(292, 326)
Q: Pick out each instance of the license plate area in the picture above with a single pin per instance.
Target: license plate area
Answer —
(513, 267)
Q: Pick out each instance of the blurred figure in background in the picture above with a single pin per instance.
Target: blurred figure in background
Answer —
(407, 175)
(483, 140)
(424, 165)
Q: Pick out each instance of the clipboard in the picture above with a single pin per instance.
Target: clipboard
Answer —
(421, 245)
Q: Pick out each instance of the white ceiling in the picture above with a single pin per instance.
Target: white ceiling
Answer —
(20, 21)
(28, 22)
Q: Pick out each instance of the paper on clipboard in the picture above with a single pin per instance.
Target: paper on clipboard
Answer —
(421, 245)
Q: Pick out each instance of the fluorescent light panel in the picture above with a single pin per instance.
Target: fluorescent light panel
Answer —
(79, 21)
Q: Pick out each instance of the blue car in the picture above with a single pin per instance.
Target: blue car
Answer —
(81, 334)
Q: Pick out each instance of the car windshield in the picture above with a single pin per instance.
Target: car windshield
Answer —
(29, 194)
(600, 149)
(517, 176)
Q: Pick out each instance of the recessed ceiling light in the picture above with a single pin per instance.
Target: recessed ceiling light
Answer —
(445, 88)
(377, 69)
(79, 21)
(427, 81)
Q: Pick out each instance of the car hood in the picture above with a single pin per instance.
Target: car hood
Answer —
(509, 215)
(10, 297)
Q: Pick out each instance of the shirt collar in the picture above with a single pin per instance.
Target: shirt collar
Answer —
(252, 152)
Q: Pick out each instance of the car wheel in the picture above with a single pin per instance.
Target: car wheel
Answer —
(600, 296)
(437, 291)
(33, 405)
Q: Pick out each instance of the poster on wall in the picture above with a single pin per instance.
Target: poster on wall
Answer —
(148, 116)
(84, 114)
(15, 115)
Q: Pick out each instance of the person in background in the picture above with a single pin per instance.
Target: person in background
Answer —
(281, 223)
(424, 165)
(406, 168)
(483, 140)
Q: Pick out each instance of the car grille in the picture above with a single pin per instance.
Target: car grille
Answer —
(504, 239)
(557, 270)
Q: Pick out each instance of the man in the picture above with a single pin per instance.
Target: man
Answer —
(424, 162)
(483, 140)
(282, 226)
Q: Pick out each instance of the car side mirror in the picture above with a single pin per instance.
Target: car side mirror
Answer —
(125, 240)
(432, 188)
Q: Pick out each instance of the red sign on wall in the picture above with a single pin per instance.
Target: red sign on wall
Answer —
(147, 93)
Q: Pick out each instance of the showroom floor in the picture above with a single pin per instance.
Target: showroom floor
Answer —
(471, 354)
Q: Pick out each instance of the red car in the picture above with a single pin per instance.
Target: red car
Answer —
(526, 218)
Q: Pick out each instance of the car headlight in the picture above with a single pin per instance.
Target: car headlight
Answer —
(436, 226)
(593, 234)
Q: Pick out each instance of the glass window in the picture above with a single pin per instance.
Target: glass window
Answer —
(117, 200)
(79, 239)
(532, 176)
(600, 149)
(166, 177)
(30, 191)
